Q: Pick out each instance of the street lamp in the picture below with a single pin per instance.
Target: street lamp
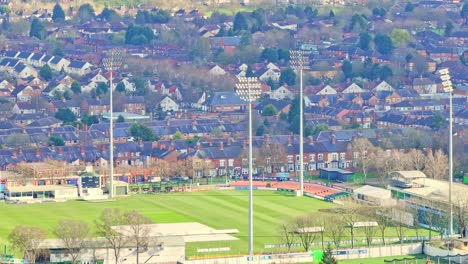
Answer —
(111, 63)
(299, 60)
(249, 89)
(448, 88)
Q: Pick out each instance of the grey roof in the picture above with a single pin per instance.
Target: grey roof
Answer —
(225, 98)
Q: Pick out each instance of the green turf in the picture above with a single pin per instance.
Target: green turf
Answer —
(218, 209)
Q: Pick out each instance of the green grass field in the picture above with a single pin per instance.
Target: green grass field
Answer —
(218, 209)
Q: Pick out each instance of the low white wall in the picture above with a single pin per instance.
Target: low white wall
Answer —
(356, 253)
(436, 252)
(379, 251)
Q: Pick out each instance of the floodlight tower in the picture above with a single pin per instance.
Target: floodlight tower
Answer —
(299, 60)
(448, 88)
(249, 89)
(111, 63)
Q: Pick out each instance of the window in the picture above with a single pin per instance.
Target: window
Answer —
(298, 157)
(342, 156)
(290, 158)
(334, 156)
(222, 163)
(312, 157)
(231, 163)
(320, 157)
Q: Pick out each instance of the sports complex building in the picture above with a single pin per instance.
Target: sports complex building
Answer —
(428, 196)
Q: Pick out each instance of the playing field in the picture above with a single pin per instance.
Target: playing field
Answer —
(218, 209)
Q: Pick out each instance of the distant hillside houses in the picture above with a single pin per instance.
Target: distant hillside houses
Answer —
(21, 64)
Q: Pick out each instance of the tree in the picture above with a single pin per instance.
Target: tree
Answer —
(86, 13)
(142, 132)
(101, 89)
(75, 87)
(335, 229)
(288, 76)
(37, 29)
(139, 35)
(416, 159)
(139, 230)
(89, 119)
(306, 236)
(409, 7)
(438, 121)
(283, 55)
(383, 218)
(464, 13)
(120, 119)
(287, 235)
(56, 141)
(108, 219)
(177, 135)
(347, 69)
(400, 36)
(270, 55)
(109, 15)
(269, 110)
(27, 240)
(46, 72)
(57, 14)
(66, 115)
(448, 28)
(361, 148)
(240, 22)
(328, 256)
(436, 165)
(383, 43)
(364, 40)
(120, 87)
(385, 72)
(294, 115)
(73, 234)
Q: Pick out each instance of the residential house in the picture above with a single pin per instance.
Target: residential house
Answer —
(23, 108)
(266, 74)
(95, 106)
(74, 106)
(217, 71)
(228, 43)
(283, 92)
(383, 86)
(424, 86)
(58, 63)
(134, 104)
(225, 102)
(326, 90)
(78, 67)
(24, 71)
(353, 88)
(168, 104)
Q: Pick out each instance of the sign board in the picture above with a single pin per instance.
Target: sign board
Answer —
(213, 249)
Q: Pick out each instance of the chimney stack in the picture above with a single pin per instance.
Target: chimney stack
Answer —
(14, 155)
(333, 138)
(244, 143)
(82, 151)
(221, 145)
(310, 139)
(289, 141)
(59, 150)
(229, 141)
(38, 152)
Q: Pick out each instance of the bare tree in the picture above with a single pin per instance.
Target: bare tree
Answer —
(417, 159)
(73, 234)
(383, 218)
(383, 162)
(360, 148)
(108, 219)
(461, 211)
(436, 165)
(139, 230)
(351, 216)
(402, 219)
(306, 235)
(287, 235)
(369, 229)
(335, 229)
(27, 239)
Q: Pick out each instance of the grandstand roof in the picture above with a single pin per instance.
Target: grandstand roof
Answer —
(414, 174)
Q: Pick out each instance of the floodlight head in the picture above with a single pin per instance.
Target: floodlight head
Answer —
(248, 88)
(299, 59)
(444, 71)
(113, 59)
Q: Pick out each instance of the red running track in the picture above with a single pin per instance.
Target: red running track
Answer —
(311, 188)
